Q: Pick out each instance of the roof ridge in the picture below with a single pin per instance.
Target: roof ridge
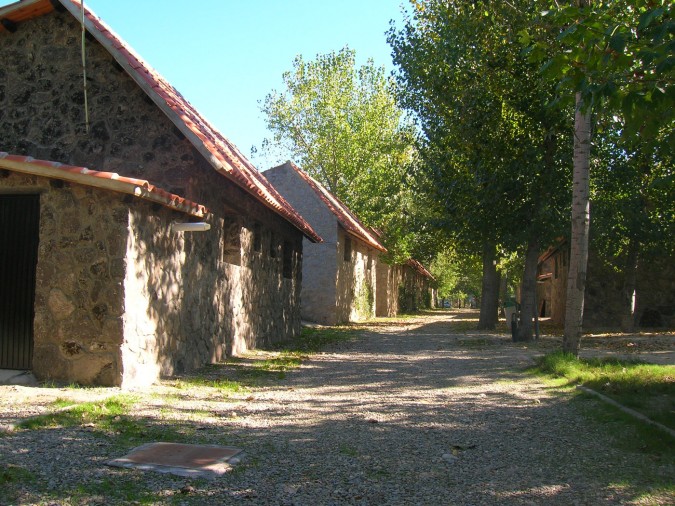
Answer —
(218, 150)
(353, 224)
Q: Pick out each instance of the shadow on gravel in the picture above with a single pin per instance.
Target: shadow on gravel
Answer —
(418, 414)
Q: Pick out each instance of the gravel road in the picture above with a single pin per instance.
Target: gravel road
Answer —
(403, 415)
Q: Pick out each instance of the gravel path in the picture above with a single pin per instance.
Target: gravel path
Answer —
(400, 416)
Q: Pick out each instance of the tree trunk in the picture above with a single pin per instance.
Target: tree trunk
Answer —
(628, 322)
(527, 293)
(489, 290)
(576, 279)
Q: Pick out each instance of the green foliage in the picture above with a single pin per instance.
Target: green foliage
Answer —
(619, 55)
(633, 194)
(457, 276)
(342, 125)
(494, 155)
(646, 388)
(364, 300)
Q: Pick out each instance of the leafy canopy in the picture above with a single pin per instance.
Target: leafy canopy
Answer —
(342, 125)
(615, 52)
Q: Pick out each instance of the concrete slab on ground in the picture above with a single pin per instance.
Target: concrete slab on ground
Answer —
(15, 377)
(189, 460)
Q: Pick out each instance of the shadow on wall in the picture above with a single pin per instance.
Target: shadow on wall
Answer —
(189, 303)
(175, 297)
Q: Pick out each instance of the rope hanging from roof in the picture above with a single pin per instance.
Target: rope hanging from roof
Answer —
(84, 72)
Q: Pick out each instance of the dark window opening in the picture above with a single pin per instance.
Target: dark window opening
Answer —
(348, 249)
(273, 246)
(232, 243)
(288, 260)
(257, 237)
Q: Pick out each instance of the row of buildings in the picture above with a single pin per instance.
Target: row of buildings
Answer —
(137, 241)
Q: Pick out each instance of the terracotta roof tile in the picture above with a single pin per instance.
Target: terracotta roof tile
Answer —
(216, 148)
(419, 268)
(106, 180)
(345, 216)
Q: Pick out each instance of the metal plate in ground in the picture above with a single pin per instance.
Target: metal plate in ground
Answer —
(200, 461)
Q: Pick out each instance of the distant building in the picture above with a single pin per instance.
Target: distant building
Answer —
(404, 288)
(605, 302)
(339, 279)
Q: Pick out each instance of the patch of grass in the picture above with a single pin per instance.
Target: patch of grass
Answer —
(348, 450)
(75, 414)
(474, 343)
(111, 418)
(646, 388)
(135, 492)
(224, 386)
(624, 381)
(260, 367)
(11, 478)
(312, 340)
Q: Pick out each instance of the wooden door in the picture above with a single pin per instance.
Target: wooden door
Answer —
(19, 232)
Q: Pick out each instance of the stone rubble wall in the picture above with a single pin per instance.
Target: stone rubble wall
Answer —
(356, 282)
(401, 289)
(172, 301)
(603, 299)
(79, 292)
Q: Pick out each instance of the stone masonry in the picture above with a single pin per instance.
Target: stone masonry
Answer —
(121, 298)
(337, 287)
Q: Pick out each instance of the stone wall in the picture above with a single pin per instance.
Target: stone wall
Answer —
(356, 281)
(401, 289)
(603, 304)
(386, 295)
(79, 292)
(190, 298)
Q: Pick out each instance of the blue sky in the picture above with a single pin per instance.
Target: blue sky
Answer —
(225, 56)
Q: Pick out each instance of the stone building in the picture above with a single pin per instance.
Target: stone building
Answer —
(99, 281)
(338, 275)
(403, 288)
(604, 299)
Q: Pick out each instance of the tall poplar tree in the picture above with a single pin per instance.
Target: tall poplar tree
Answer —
(340, 122)
(487, 141)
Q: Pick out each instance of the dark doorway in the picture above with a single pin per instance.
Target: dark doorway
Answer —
(19, 229)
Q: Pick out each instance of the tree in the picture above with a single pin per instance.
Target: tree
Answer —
(342, 125)
(487, 141)
(581, 218)
(633, 196)
(458, 277)
(615, 58)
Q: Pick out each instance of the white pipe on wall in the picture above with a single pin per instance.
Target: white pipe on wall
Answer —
(190, 227)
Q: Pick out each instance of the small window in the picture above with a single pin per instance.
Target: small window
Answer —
(288, 260)
(348, 249)
(232, 243)
(257, 237)
(369, 265)
(273, 246)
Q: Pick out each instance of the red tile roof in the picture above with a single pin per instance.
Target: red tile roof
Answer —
(419, 268)
(218, 150)
(344, 215)
(106, 180)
